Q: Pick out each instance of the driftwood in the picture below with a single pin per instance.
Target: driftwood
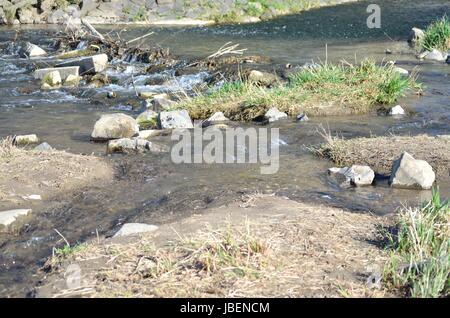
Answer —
(227, 48)
(93, 31)
(140, 37)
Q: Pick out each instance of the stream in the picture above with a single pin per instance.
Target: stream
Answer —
(151, 189)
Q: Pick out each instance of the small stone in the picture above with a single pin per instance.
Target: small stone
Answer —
(411, 173)
(135, 145)
(401, 71)
(162, 102)
(302, 117)
(262, 78)
(434, 55)
(397, 111)
(32, 197)
(22, 140)
(146, 95)
(135, 228)
(43, 147)
(175, 119)
(148, 120)
(147, 134)
(111, 95)
(31, 50)
(356, 175)
(72, 80)
(415, 36)
(216, 118)
(274, 114)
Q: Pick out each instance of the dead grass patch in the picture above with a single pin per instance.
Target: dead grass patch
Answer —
(380, 152)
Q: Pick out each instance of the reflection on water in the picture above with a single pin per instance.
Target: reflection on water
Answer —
(154, 190)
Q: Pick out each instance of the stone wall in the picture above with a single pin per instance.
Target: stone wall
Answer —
(150, 11)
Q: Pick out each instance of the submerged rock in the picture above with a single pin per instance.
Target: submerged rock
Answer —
(408, 172)
(31, 50)
(135, 228)
(88, 65)
(396, 111)
(22, 140)
(148, 120)
(8, 218)
(175, 119)
(274, 114)
(356, 175)
(135, 145)
(114, 126)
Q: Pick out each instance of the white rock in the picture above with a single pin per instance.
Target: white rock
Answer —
(355, 175)
(416, 35)
(146, 134)
(32, 197)
(397, 110)
(9, 217)
(114, 126)
(64, 72)
(135, 228)
(52, 78)
(31, 50)
(72, 80)
(135, 145)
(22, 140)
(175, 119)
(408, 172)
(43, 147)
(216, 118)
(401, 71)
(274, 114)
(435, 55)
(88, 65)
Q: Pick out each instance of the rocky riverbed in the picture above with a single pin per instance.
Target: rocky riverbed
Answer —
(112, 115)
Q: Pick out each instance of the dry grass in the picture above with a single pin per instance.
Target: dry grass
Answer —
(312, 252)
(380, 152)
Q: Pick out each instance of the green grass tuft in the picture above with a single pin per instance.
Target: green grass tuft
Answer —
(437, 35)
(420, 259)
(329, 89)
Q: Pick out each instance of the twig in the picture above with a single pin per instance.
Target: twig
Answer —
(93, 30)
(227, 48)
(140, 38)
(67, 242)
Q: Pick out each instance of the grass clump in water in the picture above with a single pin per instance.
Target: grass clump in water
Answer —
(328, 89)
(420, 260)
(437, 35)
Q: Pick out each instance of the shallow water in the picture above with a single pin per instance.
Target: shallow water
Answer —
(152, 189)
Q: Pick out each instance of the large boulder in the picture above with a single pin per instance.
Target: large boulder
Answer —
(434, 55)
(88, 65)
(52, 79)
(22, 140)
(262, 78)
(408, 172)
(114, 126)
(175, 119)
(28, 49)
(356, 175)
(274, 114)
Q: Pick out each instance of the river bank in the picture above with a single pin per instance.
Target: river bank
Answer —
(151, 12)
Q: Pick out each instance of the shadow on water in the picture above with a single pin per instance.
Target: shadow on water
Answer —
(151, 189)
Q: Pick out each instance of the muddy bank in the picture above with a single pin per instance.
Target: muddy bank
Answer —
(297, 250)
(46, 173)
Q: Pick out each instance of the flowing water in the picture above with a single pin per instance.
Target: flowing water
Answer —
(151, 189)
